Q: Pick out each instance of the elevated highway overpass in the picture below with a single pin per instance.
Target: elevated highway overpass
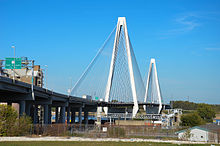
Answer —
(21, 93)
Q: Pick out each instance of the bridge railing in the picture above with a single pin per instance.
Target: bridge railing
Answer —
(129, 116)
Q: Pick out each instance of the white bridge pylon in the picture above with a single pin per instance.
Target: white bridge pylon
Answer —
(153, 92)
(122, 25)
(113, 74)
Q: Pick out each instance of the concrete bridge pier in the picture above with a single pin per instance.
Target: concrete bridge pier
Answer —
(35, 114)
(73, 116)
(62, 114)
(9, 103)
(86, 118)
(21, 107)
(57, 115)
(68, 114)
(49, 114)
(98, 116)
(46, 114)
(80, 116)
(28, 108)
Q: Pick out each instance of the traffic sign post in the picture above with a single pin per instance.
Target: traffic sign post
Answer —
(12, 63)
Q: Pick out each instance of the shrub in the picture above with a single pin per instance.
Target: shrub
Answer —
(192, 119)
(206, 112)
(187, 135)
(10, 124)
(116, 132)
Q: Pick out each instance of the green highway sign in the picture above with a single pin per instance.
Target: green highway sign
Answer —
(12, 63)
(96, 98)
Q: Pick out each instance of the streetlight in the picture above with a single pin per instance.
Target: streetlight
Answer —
(69, 90)
(46, 67)
(14, 64)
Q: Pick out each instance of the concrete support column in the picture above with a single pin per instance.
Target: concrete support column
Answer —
(35, 114)
(80, 116)
(99, 117)
(62, 114)
(9, 103)
(49, 115)
(21, 108)
(68, 115)
(86, 118)
(73, 115)
(57, 115)
(28, 108)
(45, 114)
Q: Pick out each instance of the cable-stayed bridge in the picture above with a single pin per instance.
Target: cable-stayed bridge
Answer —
(114, 76)
(112, 79)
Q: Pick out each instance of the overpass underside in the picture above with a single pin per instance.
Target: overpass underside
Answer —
(39, 103)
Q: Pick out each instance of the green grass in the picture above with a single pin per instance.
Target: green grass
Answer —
(87, 143)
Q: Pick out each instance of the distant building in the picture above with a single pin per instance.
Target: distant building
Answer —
(172, 118)
(202, 133)
(216, 120)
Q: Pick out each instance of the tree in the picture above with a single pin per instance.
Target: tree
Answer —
(8, 117)
(11, 124)
(206, 112)
(185, 105)
(192, 119)
(187, 134)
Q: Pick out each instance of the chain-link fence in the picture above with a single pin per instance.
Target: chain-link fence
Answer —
(102, 131)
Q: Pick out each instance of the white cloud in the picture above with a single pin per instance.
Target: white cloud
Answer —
(189, 22)
(212, 49)
(182, 24)
(186, 23)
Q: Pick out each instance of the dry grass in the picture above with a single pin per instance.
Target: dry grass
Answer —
(59, 143)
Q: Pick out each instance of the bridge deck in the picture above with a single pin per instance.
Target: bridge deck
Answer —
(17, 91)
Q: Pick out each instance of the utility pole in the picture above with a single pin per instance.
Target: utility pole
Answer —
(14, 65)
(46, 67)
(69, 90)
(32, 86)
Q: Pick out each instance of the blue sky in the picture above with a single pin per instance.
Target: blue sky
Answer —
(182, 35)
